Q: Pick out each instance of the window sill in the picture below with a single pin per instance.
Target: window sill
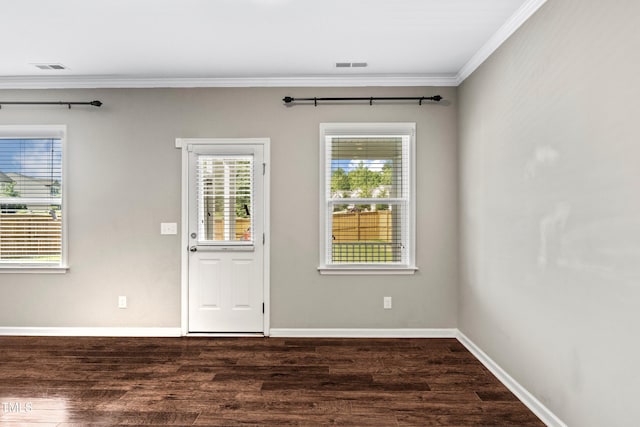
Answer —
(366, 271)
(32, 269)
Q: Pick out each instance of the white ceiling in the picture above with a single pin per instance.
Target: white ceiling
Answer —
(250, 42)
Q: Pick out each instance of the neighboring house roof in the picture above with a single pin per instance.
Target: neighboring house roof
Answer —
(28, 186)
(5, 178)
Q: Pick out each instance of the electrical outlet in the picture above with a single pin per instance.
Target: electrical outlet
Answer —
(122, 301)
(387, 303)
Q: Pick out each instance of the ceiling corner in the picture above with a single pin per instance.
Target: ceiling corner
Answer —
(499, 37)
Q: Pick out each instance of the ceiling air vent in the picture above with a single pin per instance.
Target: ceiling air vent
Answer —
(351, 64)
(50, 66)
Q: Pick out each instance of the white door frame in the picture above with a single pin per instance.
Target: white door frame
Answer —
(183, 144)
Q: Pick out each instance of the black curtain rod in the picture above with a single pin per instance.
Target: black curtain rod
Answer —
(436, 98)
(69, 104)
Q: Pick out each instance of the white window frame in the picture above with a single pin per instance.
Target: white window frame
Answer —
(42, 132)
(367, 129)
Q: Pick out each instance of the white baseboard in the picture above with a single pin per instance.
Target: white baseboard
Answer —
(274, 332)
(361, 333)
(225, 335)
(90, 332)
(541, 411)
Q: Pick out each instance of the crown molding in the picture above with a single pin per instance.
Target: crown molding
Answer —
(98, 82)
(508, 28)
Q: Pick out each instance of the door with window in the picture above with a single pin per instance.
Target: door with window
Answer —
(226, 223)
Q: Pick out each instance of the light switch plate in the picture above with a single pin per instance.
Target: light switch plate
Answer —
(168, 228)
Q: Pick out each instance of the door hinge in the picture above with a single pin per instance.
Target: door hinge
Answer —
(262, 308)
(264, 168)
(263, 238)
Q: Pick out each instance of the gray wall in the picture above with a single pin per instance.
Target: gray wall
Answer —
(550, 212)
(124, 180)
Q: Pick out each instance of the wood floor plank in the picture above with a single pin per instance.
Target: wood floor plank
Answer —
(288, 418)
(250, 381)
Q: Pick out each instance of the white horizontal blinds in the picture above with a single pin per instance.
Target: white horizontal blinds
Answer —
(367, 198)
(225, 199)
(31, 201)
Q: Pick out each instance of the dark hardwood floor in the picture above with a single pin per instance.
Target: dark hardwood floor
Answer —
(249, 381)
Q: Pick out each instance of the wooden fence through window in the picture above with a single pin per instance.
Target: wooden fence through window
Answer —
(374, 226)
(30, 237)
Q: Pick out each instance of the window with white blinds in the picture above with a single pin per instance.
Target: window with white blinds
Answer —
(31, 203)
(225, 199)
(368, 196)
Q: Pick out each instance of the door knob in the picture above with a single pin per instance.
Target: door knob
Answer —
(193, 249)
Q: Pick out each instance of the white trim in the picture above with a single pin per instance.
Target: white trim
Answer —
(184, 242)
(89, 332)
(64, 260)
(266, 294)
(33, 131)
(99, 82)
(363, 333)
(224, 335)
(366, 128)
(33, 269)
(537, 407)
(504, 32)
(183, 144)
(373, 270)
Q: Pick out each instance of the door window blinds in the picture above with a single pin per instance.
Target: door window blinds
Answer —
(225, 199)
(31, 201)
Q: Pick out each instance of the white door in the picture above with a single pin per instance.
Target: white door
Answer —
(226, 223)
